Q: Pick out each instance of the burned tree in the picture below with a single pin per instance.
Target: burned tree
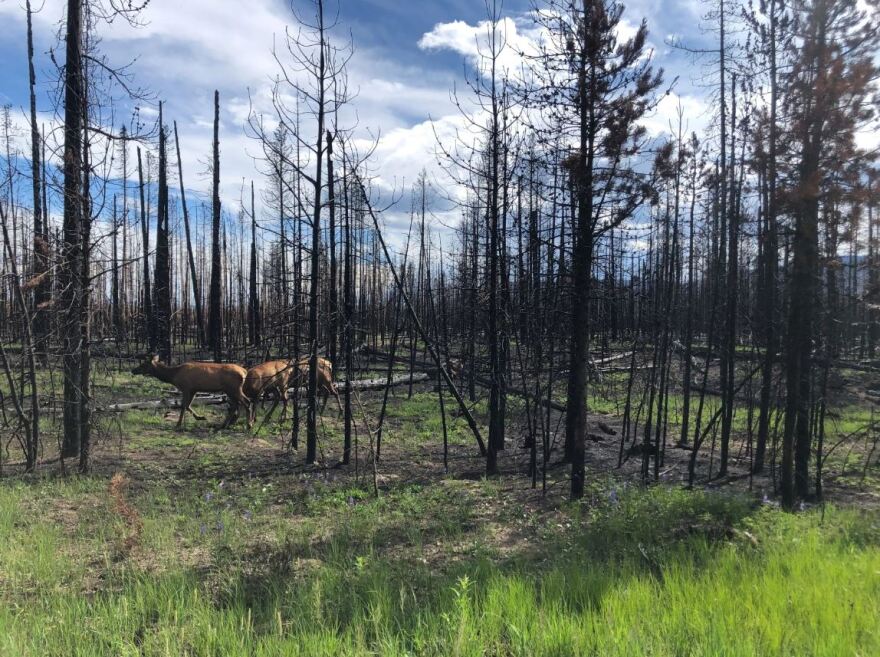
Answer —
(312, 70)
(603, 85)
(215, 316)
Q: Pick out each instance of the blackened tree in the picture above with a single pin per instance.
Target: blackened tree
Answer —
(604, 86)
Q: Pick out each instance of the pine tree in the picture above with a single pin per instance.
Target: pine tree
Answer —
(830, 84)
(603, 85)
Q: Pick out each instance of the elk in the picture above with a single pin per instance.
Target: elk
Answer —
(278, 376)
(273, 376)
(195, 376)
(325, 379)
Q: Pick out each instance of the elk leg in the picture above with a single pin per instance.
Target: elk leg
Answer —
(190, 409)
(235, 400)
(252, 409)
(336, 394)
(231, 414)
(249, 407)
(275, 403)
(266, 418)
(185, 401)
(327, 391)
(235, 403)
(277, 397)
(284, 398)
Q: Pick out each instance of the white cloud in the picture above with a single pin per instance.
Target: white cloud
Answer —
(404, 152)
(664, 120)
(868, 137)
(475, 43)
(457, 36)
(184, 50)
(626, 29)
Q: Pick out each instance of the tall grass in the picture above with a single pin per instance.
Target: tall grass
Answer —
(655, 572)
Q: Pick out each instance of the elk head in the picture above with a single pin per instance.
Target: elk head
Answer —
(147, 364)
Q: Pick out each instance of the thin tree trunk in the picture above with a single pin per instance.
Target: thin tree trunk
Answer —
(40, 245)
(163, 255)
(31, 425)
(215, 317)
(254, 319)
(197, 297)
(312, 410)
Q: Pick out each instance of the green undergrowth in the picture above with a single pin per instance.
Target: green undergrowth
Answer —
(318, 567)
(409, 421)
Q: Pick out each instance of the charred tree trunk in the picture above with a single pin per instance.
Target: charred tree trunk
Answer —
(163, 254)
(194, 278)
(314, 283)
(149, 316)
(71, 269)
(331, 207)
(771, 260)
(254, 319)
(42, 292)
(215, 316)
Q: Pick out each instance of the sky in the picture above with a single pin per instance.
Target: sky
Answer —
(408, 55)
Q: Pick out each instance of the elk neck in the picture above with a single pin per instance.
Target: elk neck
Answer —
(166, 373)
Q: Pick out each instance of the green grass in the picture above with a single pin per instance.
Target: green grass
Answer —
(420, 417)
(245, 553)
(609, 398)
(257, 568)
(409, 421)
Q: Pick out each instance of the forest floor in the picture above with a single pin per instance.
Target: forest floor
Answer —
(206, 542)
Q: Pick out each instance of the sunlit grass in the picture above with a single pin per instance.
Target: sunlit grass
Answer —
(247, 569)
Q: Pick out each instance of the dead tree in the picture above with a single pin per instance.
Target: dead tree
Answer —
(215, 316)
(312, 69)
(611, 84)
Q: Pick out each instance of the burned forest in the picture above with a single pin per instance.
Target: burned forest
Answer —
(537, 327)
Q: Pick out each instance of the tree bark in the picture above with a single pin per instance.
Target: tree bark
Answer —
(215, 317)
(163, 255)
(74, 91)
(312, 402)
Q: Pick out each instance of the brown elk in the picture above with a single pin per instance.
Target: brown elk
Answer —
(194, 377)
(273, 376)
(278, 376)
(326, 386)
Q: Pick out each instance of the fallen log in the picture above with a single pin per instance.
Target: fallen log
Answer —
(378, 384)
(611, 370)
(608, 359)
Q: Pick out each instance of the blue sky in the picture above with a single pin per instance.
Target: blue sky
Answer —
(408, 55)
